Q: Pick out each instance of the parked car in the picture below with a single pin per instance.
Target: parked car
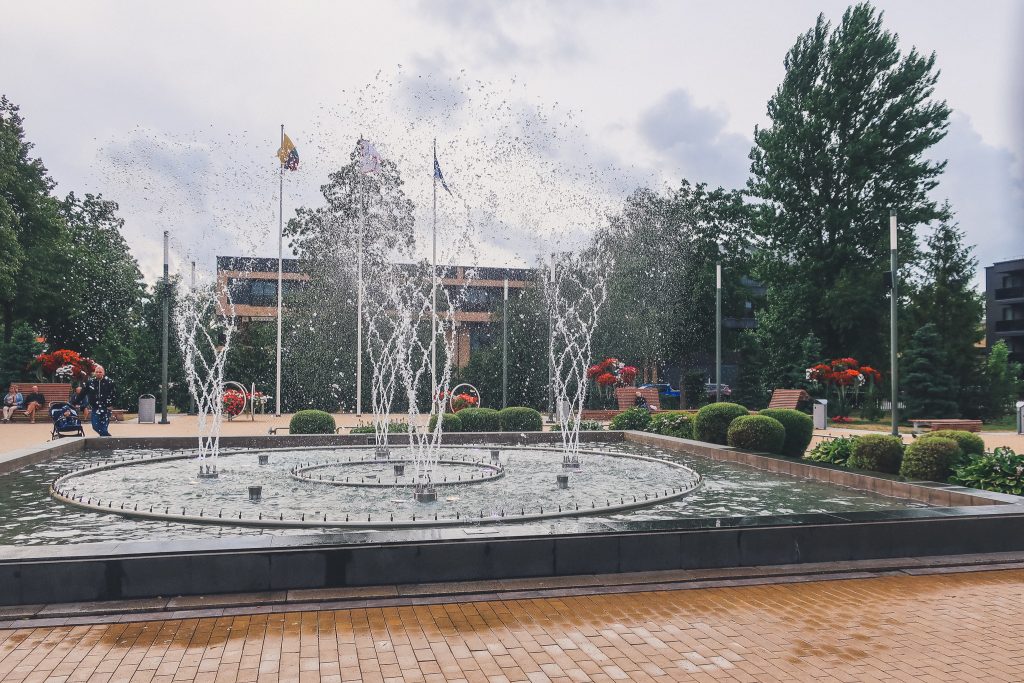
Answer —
(710, 389)
(664, 389)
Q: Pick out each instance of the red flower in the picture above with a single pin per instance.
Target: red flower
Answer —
(49, 362)
(594, 370)
(627, 374)
(233, 402)
(606, 379)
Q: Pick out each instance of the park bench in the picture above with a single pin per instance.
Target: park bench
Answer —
(54, 392)
(937, 425)
(625, 396)
(794, 399)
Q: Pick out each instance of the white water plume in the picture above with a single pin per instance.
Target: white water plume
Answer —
(205, 323)
(576, 289)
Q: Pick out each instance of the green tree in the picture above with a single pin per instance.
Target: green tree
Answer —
(31, 229)
(527, 354)
(1002, 386)
(17, 355)
(943, 295)
(252, 358)
(661, 290)
(100, 281)
(928, 388)
(319, 364)
(851, 128)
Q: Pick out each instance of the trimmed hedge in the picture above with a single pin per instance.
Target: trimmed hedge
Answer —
(799, 429)
(713, 420)
(877, 452)
(394, 427)
(757, 433)
(632, 418)
(311, 422)
(480, 420)
(677, 424)
(516, 419)
(451, 423)
(969, 442)
(585, 426)
(930, 458)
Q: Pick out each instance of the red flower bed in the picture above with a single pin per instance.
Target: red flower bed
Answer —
(81, 367)
(234, 401)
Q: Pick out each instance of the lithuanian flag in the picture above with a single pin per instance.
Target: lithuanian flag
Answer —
(288, 155)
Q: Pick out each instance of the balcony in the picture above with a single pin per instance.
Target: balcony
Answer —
(1010, 325)
(1004, 293)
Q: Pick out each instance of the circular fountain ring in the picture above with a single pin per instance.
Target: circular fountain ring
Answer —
(63, 490)
(489, 473)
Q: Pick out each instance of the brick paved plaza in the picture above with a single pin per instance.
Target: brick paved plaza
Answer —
(940, 627)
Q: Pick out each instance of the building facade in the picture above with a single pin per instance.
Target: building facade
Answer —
(253, 286)
(1004, 306)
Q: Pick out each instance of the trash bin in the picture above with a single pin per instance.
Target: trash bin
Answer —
(147, 408)
(820, 413)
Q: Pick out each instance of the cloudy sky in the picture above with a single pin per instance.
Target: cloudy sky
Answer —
(545, 112)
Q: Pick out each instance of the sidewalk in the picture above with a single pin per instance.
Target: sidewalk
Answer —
(19, 434)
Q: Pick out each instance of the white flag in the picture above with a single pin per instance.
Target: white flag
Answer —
(369, 157)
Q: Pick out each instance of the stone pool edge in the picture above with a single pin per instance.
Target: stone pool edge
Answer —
(971, 522)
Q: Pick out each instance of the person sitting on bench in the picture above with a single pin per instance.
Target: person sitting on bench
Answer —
(13, 401)
(641, 402)
(33, 402)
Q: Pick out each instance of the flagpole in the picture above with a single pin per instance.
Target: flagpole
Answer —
(358, 307)
(359, 310)
(280, 275)
(433, 295)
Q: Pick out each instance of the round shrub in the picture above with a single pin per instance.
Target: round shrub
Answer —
(713, 420)
(799, 429)
(757, 433)
(394, 427)
(930, 458)
(877, 452)
(969, 443)
(480, 420)
(311, 422)
(676, 424)
(451, 423)
(517, 419)
(585, 426)
(633, 418)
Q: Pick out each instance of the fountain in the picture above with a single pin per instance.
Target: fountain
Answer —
(576, 290)
(204, 324)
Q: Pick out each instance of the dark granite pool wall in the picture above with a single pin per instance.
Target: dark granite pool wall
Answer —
(111, 571)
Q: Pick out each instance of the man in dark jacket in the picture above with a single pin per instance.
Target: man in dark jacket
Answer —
(101, 392)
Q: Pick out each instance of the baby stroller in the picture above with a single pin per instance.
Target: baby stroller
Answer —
(65, 421)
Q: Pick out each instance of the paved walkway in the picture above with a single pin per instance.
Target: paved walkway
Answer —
(19, 435)
(950, 627)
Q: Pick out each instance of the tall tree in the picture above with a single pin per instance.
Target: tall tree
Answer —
(320, 367)
(661, 291)
(101, 275)
(930, 391)
(944, 295)
(31, 229)
(851, 126)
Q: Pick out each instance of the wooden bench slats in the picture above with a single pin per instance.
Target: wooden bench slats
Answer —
(625, 396)
(788, 398)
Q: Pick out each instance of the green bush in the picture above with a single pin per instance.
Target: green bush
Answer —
(311, 422)
(515, 419)
(393, 428)
(799, 429)
(877, 452)
(672, 424)
(969, 443)
(451, 423)
(930, 458)
(712, 421)
(585, 426)
(1001, 471)
(633, 418)
(834, 451)
(480, 420)
(757, 433)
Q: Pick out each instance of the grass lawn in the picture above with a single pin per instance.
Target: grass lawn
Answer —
(1007, 423)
